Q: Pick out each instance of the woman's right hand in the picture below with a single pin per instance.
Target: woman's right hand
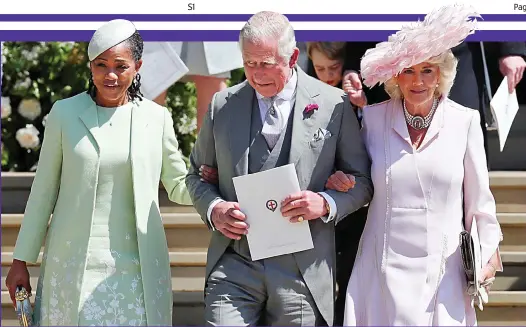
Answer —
(18, 275)
(341, 182)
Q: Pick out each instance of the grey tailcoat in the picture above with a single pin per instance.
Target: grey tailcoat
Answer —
(223, 142)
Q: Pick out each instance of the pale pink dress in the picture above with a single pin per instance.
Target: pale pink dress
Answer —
(408, 269)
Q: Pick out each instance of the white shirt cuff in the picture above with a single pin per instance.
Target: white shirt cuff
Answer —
(209, 212)
(332, 205)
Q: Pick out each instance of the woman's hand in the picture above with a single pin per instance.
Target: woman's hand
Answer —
(340, 182)
(18, 275)
(209, 174)
(489, 271)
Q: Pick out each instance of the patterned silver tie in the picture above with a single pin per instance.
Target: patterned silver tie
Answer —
(273, 124)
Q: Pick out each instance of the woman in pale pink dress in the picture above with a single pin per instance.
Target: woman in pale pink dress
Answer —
(430, 175)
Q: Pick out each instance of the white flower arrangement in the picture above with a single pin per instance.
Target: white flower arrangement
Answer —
(5, 103)
(27, 137)
(187, 125)
(23, 84)
(29, 109)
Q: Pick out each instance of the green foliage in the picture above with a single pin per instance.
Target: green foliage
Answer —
(46, 72)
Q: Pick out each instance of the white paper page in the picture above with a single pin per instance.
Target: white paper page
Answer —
(161, 68)
(504, 107)
(259, 196)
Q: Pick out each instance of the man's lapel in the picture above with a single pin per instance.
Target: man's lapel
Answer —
(304, 124)
(240, 110)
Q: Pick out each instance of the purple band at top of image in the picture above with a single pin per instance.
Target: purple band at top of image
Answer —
(232, 35)
(238, 17)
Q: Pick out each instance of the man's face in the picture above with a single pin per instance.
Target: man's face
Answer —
(266, 71)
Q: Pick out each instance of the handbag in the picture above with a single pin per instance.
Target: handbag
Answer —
(472, 264)
(24, 310)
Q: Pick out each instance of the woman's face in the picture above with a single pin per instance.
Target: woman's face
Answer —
(418, 83)
(113, 72)
(327, 70)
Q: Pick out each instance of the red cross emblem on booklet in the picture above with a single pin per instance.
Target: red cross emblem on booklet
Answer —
(272, 205)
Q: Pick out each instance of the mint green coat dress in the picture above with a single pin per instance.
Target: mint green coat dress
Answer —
(105, 258)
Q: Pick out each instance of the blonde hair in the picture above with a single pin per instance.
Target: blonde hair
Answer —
(332, 50)
(447, 64)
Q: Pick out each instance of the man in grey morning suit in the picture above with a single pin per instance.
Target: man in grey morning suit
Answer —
(261, 124)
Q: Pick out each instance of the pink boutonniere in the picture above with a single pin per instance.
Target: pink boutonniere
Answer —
(309, 109)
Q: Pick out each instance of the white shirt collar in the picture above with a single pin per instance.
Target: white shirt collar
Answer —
(288, 91)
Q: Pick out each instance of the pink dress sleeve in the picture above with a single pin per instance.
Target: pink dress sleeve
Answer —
(479, 202)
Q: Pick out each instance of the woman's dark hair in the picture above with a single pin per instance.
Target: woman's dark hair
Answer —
(136, 45)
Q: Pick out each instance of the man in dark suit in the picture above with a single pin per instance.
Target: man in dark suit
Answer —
(470, 88)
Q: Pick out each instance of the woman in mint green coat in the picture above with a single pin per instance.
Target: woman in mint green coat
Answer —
(104, 151)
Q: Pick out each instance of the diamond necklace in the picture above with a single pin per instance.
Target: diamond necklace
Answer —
(419, 122)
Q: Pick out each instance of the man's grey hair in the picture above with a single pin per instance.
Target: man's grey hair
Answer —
(268, 25)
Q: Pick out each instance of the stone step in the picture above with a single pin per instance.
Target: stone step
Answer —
(187, 311)
(504, 298)
(513, 278)
(188, 273)
(188, 239)
(188, 230)
(184, 279)
(16, 187)
(179, 257)
(182, 230)
(180, 298)
(188, 270)
(180, 218)
(513, 258)
(508, 187)
(504, 309)
(514, 230)
(509, 190)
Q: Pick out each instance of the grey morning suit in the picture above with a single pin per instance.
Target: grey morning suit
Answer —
(295, 289)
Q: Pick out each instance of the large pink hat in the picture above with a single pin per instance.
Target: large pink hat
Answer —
(442, 29)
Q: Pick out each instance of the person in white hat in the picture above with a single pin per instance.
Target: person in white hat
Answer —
(430, 181)
(104, 152)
